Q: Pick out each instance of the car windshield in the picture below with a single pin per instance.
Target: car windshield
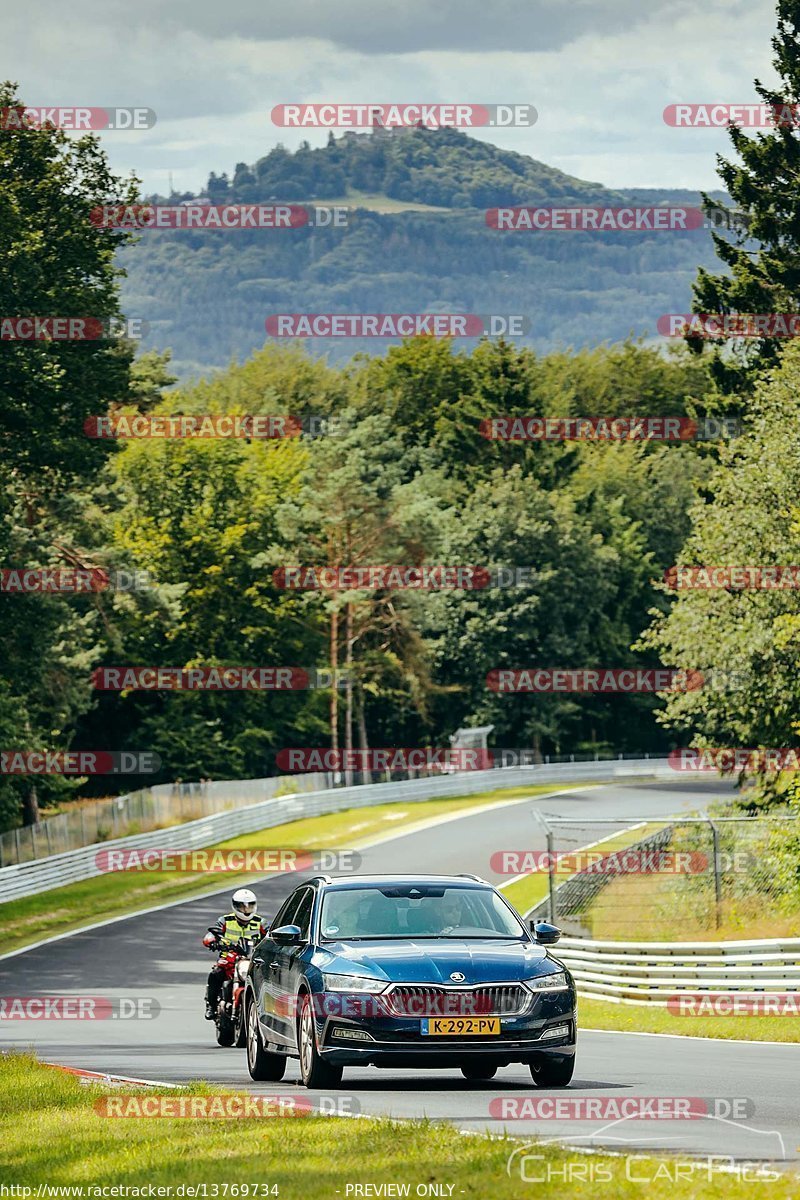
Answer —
(416, 911)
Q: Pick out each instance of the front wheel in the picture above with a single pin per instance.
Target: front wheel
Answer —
(550, 1072)
(240, 1027)
(225, 1030)
(314, 1071)
(261, 1064)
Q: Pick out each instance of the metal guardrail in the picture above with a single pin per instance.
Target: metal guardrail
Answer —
(41, 875)
(651, 972)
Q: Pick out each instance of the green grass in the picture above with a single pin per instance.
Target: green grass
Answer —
(50, 1133)
(62, 910)
(640, 1018)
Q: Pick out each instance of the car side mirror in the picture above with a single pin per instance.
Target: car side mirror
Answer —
(286, 934)
(544, 933)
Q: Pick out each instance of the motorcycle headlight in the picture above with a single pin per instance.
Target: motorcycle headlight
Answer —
(351, 983)
(556, 982)
(242, 968)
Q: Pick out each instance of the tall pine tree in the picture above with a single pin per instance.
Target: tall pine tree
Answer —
(763, 255)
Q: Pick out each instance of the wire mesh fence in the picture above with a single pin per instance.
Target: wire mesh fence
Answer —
(139, 812)
(661, 880)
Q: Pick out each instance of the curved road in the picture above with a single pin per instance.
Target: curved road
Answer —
(158, 955)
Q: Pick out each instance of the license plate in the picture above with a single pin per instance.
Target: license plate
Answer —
(460, 1026)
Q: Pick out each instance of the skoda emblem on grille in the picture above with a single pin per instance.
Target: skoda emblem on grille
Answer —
(458, 977)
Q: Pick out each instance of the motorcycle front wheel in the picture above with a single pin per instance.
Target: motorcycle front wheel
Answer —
(226, 1032)
(240, 1028)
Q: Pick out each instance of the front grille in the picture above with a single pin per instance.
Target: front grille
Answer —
(490, 1000)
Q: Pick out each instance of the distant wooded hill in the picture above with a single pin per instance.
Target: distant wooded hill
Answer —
(416, 239)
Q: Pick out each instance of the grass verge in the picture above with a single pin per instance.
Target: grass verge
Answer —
(68, 908)
(51, 1134)
(640, 1018)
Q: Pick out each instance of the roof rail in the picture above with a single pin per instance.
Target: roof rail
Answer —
(468, 875)
(319, 878)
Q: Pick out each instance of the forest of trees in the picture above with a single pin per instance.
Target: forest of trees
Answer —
(395, 470)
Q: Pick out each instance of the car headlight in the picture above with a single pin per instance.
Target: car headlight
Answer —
(556, 982)
(242, 968)
(352, 983)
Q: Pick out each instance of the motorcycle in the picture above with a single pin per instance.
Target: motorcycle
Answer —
(229, 1017)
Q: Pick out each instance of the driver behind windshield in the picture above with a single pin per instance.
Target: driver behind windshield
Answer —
(433, 916)
(452, 912)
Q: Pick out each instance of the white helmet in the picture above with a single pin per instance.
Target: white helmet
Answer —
(244, 903)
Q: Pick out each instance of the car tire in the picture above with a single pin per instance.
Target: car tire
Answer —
(552, 1072)
(314, 1071)
(476, 1071)
(261, 1063)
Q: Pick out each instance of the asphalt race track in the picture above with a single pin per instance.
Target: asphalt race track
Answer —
(159, 955)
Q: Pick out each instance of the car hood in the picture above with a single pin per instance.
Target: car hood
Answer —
(432, 961)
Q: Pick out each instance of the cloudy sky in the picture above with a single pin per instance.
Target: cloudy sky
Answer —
(599, 72)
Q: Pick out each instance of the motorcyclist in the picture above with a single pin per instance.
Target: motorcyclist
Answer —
(242, 922)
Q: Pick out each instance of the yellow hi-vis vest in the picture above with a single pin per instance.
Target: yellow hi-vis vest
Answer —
(233, 929)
